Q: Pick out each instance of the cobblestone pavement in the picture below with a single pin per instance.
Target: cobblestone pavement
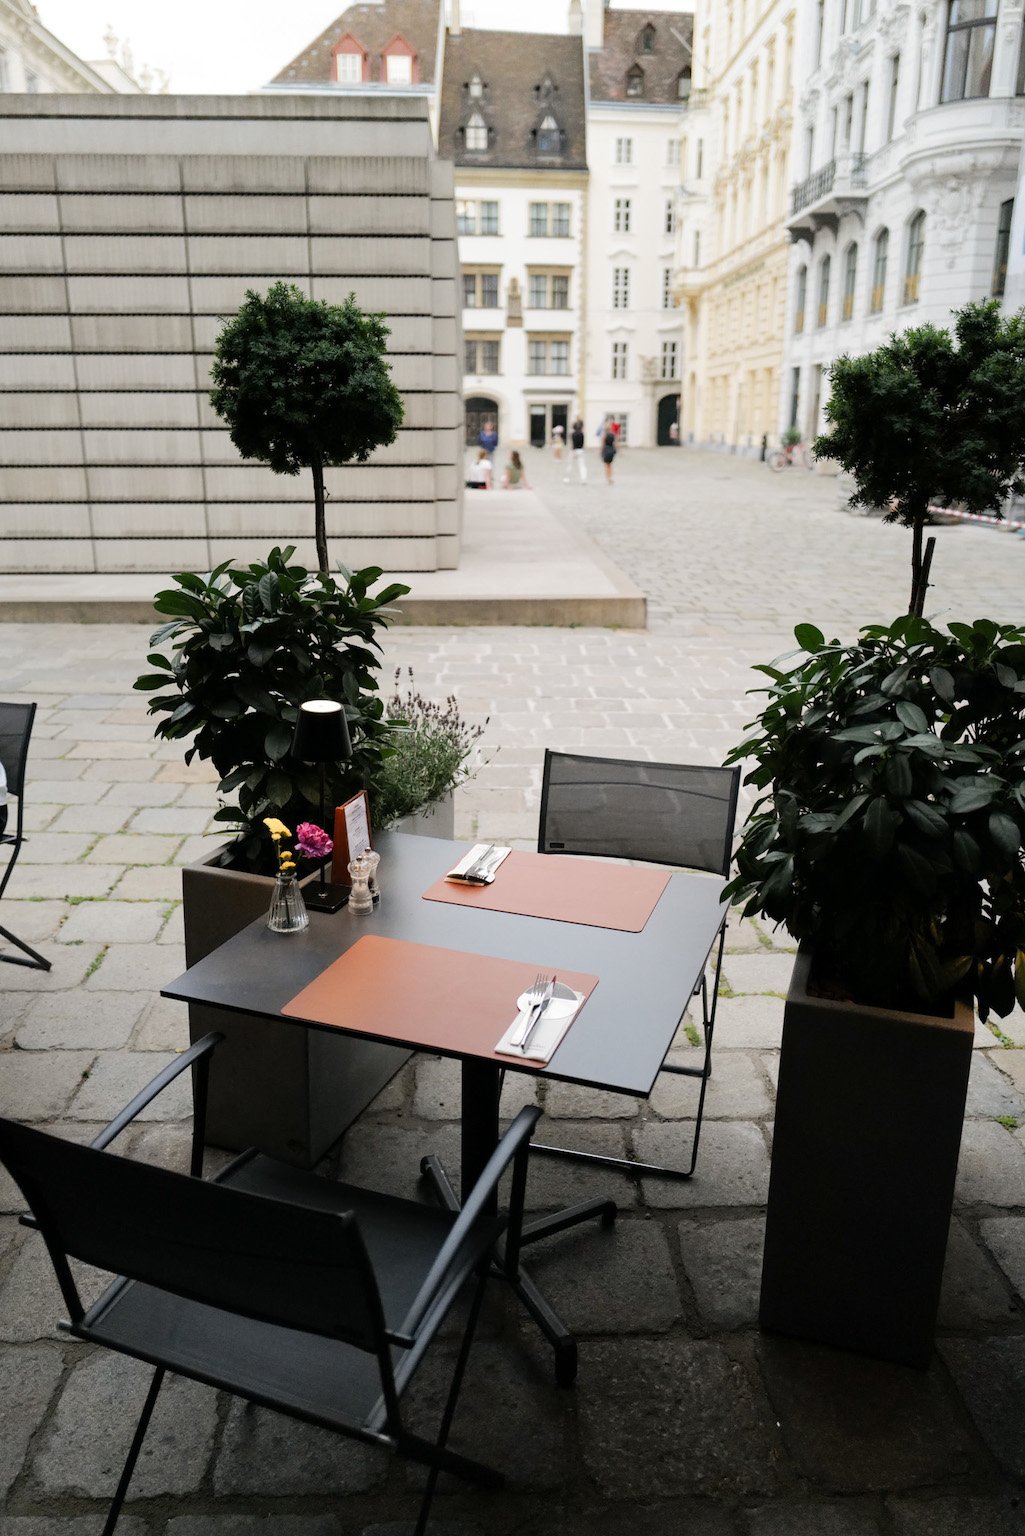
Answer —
(684, 1418)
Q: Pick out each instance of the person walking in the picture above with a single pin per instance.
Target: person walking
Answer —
(576, 441)
(558, 439)
(608, 451)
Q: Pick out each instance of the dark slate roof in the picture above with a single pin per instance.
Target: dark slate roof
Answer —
(525, 76)
(671, 53)
(373, 27)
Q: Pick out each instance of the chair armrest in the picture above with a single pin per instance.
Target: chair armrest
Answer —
(200, 1052)
(514, 1145)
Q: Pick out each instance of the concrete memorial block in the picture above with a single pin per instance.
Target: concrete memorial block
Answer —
(118, 285)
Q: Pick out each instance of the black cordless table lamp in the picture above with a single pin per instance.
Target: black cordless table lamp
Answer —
(322, 736)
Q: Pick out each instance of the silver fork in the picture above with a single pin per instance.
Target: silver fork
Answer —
(534, 995)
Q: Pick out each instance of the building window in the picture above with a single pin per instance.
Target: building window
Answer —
(699, 159)
(489, 218)
(850, 278)
(550, 219)
(480, 290)
(1003, 248)
(619, 359)
(697, 249)
(669, 223)
(879, 259)
(913, 263)
(848, 120)
(624, 151)
(538, 219)
(667, 360)
(398, 68)
(549, 136)
(560, 221)
(891, 105)
(795, 396)
(673, 152)
(476, 218)
(621, 288)
(482, 355)
(968, 57)
(476, 87)
(800, 300)
(667, 288)
(824, 266)
(547, 290)
(621, 216)
(560, 292)
(548, 356)
(1019, 89)
(476, 134)
(537, 291)
(349, 68)
(683, 83)
(648, 40)
(635, 81)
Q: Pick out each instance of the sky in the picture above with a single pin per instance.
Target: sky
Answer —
(225, 46)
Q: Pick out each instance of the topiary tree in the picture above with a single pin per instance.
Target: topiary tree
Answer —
(304, 384)
(932, 416)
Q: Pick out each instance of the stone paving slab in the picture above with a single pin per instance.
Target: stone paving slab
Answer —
(674, 1425)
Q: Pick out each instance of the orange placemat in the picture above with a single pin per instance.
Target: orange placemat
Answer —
(436, 999)
(564, 889)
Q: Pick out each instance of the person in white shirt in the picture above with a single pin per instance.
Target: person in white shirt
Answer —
(478, 476)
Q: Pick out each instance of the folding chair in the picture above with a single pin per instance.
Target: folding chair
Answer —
(15, 730)
(311, 1297)
(657, 813)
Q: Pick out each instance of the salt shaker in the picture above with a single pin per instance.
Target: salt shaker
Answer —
(360, 899)
(372, 860)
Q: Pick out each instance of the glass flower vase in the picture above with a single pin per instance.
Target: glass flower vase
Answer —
(288, 912)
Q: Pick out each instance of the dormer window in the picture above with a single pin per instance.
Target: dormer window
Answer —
(398, 69)
(476, 134)
(635, 81)
(648, 39)
(683, 83)
(546, 90)
(549, 136)
(349, 61)
(476, 87)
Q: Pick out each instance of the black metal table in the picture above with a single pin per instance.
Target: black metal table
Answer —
(618, 1044)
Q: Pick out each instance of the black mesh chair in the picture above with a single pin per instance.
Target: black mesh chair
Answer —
(15, 730)
(657, 813)
(315, 1298)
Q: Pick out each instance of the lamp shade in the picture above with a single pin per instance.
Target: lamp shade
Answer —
(321, 733)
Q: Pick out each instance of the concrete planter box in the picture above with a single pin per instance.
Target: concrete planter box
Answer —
(438, 820)
(868, 1129)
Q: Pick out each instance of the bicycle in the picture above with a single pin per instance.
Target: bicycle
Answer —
(791, 456)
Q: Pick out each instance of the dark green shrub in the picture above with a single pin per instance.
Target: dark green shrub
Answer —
(892, 819)
(247, 647)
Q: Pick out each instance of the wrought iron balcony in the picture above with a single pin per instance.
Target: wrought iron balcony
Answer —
(822, 198)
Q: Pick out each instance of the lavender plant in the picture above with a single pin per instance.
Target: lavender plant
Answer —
(430, 752)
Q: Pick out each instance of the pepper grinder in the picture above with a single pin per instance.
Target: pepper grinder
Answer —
(360, 899)
(372, 860)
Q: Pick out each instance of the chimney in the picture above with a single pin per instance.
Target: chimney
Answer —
(594, 23)
(575, 25)
(455, 25)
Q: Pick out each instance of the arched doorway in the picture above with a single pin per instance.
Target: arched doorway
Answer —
(668, 413)
(479, 409)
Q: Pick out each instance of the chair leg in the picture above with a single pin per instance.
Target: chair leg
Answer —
(551, 1325)
(572, 1216)
(439, 1183)
(133, 1452)
(450, 1406)
(35, 962)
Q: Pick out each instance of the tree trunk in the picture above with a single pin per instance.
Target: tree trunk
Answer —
(918, 575)
(320, 526)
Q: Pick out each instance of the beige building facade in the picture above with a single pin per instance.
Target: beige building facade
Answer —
(733, 246)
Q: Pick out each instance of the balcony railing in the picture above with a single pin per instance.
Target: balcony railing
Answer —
(838, 176)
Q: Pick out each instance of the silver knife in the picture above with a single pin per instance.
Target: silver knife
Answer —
(481, 872)
(536, 1015)
(472, 872)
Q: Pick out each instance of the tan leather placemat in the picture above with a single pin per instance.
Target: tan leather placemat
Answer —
(436, 999)
(564, 889)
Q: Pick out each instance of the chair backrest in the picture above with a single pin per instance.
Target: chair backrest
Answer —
(280, 1263)
(15, 730)
(662, 813)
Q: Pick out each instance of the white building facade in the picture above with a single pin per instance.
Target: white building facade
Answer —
(639, 84)
(35, 62)
(907, 141)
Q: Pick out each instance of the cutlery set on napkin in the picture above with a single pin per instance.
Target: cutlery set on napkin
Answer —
(480, 864)
(547, 1009)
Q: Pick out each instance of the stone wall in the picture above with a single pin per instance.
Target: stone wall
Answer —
(130, 228)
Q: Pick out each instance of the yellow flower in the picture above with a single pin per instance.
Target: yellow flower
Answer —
(275, 827)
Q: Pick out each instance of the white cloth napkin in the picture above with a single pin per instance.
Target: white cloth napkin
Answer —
(548, 1032)
(496, 857)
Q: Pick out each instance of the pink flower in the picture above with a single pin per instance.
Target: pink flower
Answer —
(312, 841)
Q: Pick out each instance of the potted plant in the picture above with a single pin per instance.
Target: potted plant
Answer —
(932, 417)
(888, 841)
(431, 754)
